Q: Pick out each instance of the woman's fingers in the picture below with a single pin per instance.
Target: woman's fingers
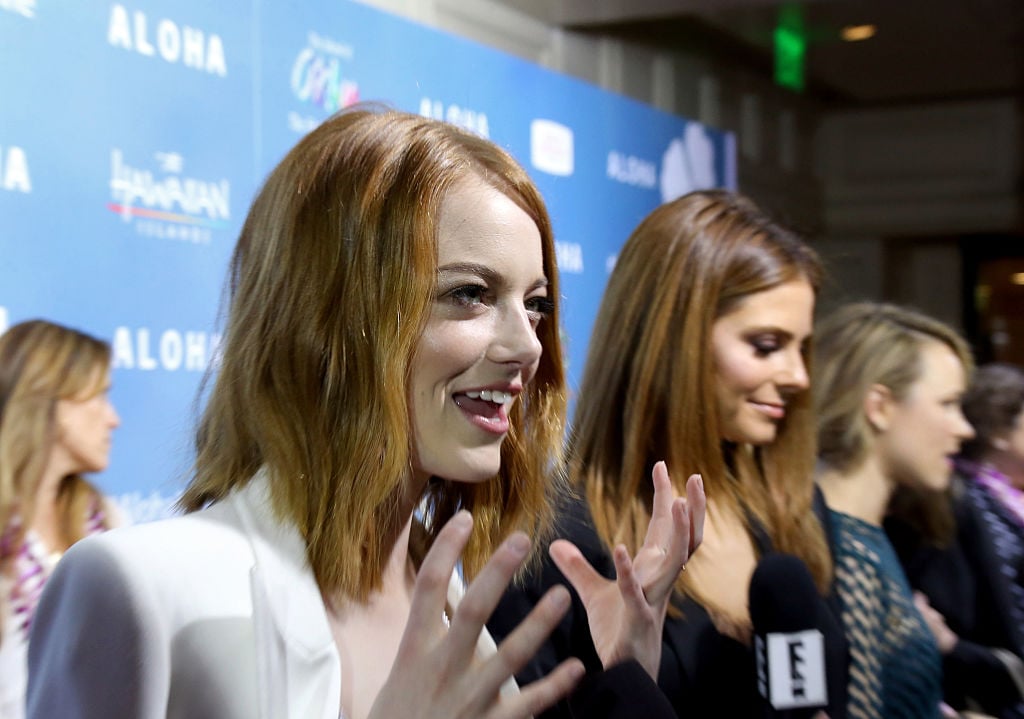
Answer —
(571, 562)
(442, 675)
(697, 505)
(659, 584)
(431, 589)
(629, 586)
(520, 646)
(483, 595)
(659, 528)
(534, 698)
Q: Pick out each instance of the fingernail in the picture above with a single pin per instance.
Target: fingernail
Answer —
(559, 597)
(700, 482)
(462, 520)
(519, 543)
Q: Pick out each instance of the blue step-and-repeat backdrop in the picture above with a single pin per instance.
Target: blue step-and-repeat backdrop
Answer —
(133, 136)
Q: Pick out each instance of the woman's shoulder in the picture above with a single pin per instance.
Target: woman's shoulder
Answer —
(165, 551)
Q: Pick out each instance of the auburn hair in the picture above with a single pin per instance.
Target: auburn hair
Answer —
(331, 285)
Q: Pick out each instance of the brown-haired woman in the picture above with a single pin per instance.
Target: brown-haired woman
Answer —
(55, 424)
(390, 394)
(700, 356)
(887, 393)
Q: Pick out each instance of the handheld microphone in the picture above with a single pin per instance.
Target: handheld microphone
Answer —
(788, 642)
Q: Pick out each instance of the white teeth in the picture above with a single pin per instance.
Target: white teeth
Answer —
(491, 395)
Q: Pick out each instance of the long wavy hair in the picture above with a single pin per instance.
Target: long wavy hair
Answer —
(648, 391)
(40, 364)
(330, 289)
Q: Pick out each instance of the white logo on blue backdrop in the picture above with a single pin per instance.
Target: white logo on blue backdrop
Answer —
(127, 161)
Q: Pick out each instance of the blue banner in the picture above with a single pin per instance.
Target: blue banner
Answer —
(134, 135)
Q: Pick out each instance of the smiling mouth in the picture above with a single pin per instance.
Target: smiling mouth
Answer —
(772, 411)
(486, 409)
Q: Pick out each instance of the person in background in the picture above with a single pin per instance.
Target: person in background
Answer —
(887, 395)
(971, 573)
(390, 397)
(56, 424)
(699, 356)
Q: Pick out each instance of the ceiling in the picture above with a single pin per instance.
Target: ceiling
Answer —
(923, 49)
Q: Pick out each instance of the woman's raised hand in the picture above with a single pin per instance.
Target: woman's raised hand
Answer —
(626, 616)
(438, 674)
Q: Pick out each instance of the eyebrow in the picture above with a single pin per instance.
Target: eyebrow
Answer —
(484, 272)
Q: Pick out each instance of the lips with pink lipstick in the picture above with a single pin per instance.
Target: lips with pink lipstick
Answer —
(772, 410)
(486, 408)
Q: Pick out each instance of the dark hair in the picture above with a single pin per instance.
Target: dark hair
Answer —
(993, 402)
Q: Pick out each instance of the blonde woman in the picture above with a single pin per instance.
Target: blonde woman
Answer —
(888, 392)
(56, 423)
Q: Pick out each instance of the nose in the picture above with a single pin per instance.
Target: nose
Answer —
(794, 375)
(113, 418)
(964, 430)
(515, 340)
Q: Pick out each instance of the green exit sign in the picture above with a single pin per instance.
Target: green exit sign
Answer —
(790, 47)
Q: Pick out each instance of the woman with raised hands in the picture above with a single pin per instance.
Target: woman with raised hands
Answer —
(389, 405)
(699, 357)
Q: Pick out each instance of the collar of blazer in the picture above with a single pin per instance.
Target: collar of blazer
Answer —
(300, 672)
(297, 661)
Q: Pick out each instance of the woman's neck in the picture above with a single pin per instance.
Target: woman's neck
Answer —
(45, 519)
(862, 492)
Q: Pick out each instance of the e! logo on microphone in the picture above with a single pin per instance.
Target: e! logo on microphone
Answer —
(793, 668)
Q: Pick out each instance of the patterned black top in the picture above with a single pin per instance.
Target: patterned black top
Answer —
(895, 666)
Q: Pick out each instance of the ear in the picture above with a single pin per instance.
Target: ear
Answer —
(878, 407)
(1000, 443)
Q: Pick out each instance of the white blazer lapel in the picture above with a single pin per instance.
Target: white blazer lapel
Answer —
(297, 662)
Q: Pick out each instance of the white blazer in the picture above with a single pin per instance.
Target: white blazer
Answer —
(214, 614)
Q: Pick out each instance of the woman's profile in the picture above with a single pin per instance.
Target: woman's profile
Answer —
(56, 425)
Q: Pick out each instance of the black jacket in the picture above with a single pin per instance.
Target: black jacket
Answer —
(703, 673)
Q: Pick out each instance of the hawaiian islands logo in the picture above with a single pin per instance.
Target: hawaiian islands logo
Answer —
(174, 43)
(318, 79)
(14, 174)
(167, 204)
